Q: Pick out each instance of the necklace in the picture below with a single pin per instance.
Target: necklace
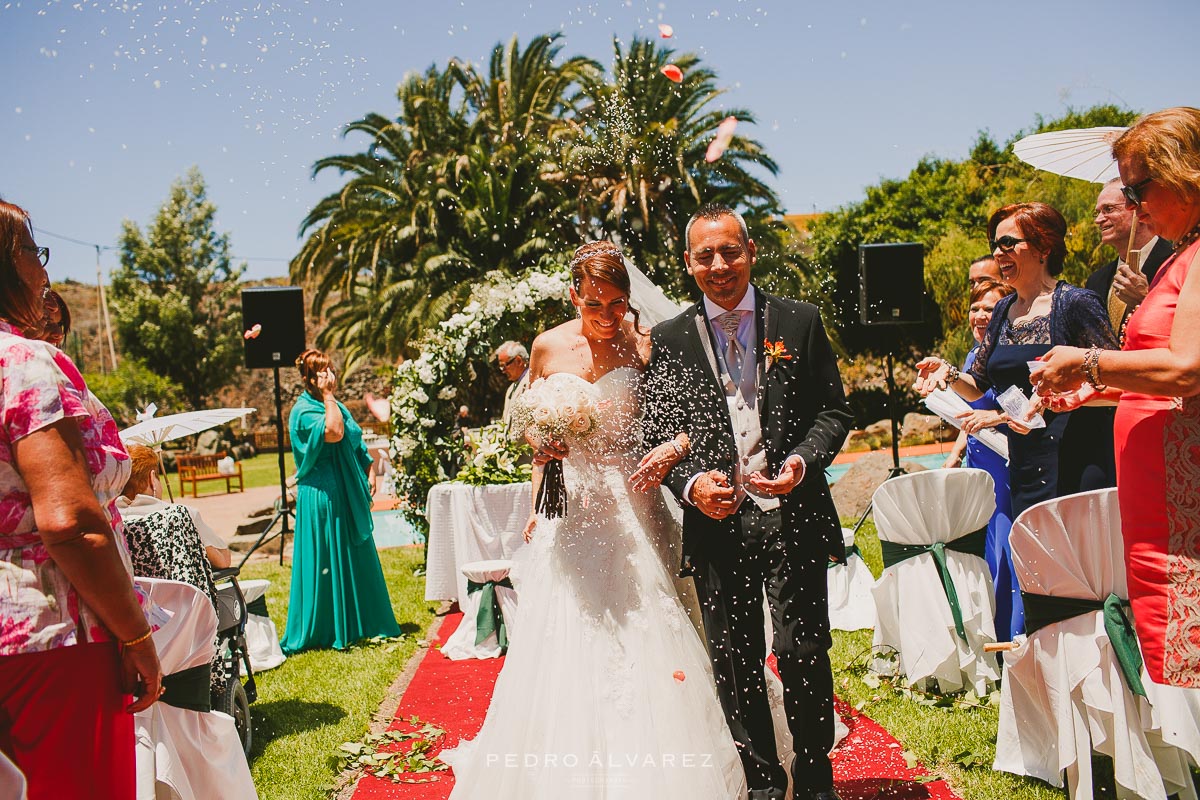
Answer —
(1186, 240)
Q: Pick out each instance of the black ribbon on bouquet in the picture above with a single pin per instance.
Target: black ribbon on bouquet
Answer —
(551, 499)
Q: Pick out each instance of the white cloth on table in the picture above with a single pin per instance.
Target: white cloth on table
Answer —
(262, 639)
(461, 644)
(851, 606)
(912, 612)
(1064, 694)
(471, 523)
(185, 754)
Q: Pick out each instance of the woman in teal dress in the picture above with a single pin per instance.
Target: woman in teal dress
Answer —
(338, 594)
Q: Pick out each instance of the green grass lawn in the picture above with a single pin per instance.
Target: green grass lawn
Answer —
(319, 699)
(263, 469)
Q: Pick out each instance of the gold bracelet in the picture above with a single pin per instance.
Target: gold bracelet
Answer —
(133, 642)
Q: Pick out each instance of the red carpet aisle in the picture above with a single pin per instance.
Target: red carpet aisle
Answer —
(455, 696)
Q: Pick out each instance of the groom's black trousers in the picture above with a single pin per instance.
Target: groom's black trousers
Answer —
(757, 549)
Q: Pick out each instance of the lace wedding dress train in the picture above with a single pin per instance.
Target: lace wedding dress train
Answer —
(607, 692)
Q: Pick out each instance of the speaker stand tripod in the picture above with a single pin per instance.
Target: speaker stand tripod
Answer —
(281, 513)
(896, 469)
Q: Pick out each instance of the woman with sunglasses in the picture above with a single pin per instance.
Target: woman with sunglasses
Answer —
(74, 642)
(1157, 378)
(1071, 453)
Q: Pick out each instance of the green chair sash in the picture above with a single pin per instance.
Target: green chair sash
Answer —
(971, 544)
(852, 550)
(489, 619)
(258, 606)
(189, 688)
(1042, 610)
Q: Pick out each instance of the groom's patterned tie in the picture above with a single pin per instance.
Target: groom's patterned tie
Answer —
(729, 322)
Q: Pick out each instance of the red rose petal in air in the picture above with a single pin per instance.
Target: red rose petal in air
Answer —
(679, 676)
(666, 31)
(716, 148)
(673, 73)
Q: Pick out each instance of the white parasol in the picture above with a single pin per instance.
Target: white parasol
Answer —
(153, 431)
(156, 430)
(1084, 153)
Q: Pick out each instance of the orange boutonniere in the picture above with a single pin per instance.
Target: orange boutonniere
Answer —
(775, 352)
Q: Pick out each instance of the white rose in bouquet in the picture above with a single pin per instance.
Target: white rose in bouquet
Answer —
(580, 423)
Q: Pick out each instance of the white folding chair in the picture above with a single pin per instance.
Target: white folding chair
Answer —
(489, 610)
(1065, 693)
(851, 606)
(932, 526)
(182, 753)
(262, 639)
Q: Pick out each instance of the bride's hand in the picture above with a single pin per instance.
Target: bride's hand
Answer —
(653, 467)
(527, 531)
(547, 451)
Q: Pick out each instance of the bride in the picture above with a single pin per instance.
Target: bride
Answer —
(607, 692)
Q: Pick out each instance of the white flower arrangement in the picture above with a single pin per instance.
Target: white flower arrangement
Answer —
(422, 425)
(555, 410)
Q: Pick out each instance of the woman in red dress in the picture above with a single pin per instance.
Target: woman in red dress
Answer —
(1158, 416)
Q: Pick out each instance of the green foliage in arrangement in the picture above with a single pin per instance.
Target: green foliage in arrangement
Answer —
(173, 291)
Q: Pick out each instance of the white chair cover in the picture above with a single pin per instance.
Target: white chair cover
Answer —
(184, 754)
(461, 644)
(12, 782)
(262, 639)
(851, 606)
(911, 610)
(1064, 694)
(471, 523)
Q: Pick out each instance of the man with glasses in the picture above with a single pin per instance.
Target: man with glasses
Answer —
(513, 360)
(1119, 283)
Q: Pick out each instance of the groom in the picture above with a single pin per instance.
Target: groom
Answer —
(752, 379)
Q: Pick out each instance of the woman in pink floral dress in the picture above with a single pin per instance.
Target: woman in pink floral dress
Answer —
(73, 639)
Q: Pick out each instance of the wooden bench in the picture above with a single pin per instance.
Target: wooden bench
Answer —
(194, 468)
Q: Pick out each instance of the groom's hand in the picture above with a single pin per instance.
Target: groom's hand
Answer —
(713, 494)
(789, 478)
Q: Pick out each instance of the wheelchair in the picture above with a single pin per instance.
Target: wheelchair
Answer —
(232, 697)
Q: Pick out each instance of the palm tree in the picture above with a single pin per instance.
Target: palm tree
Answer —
(633, 159)
(445, 193)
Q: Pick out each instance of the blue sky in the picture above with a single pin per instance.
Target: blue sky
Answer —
(105, 103)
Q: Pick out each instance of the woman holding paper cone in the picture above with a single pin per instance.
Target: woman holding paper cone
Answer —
(1010, 614)
(1158, 379)
(1071, 453)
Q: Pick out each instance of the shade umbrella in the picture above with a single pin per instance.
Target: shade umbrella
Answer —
(1084, 153)
(154, 431)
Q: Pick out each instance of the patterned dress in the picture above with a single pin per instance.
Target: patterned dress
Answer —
(39, 609)
(1158, 484)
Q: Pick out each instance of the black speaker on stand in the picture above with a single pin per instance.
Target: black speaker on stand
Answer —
(891, 296)
(278, 314)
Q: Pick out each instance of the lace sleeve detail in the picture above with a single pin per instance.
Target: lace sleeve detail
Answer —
(978, 369)
(1084, 321)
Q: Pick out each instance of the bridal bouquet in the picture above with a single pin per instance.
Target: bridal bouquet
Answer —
(554, 410)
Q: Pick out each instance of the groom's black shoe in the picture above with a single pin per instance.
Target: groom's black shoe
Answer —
(828, 794)
(767, 794)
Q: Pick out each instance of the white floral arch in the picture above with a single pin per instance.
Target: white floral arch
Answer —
(425, 389)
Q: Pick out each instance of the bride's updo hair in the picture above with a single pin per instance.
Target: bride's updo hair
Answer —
(602, 261)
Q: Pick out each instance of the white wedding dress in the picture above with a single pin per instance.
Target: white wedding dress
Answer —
(607, 691)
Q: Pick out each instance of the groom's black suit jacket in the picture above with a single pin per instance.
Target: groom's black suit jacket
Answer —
(802, 410)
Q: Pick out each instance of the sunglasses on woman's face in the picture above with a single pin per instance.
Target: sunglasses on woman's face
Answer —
(1006, 244)
(1134, 193)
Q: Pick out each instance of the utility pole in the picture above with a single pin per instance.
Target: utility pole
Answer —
(112, 350)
